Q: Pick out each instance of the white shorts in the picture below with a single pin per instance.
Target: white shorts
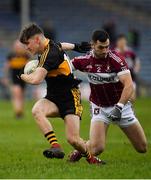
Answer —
(101, 114)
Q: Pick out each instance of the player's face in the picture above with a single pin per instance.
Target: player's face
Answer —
(122, 44)
(32, 45)
(101, 48)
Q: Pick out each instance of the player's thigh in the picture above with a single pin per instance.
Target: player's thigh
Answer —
(69, 103)
(98, 131)
(136, 134)
(72, 126)
(46, 107)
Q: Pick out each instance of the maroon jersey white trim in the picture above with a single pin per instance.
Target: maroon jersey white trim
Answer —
(130, 58)
(103, 76)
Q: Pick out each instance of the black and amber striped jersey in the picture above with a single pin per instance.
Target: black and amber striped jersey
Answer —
(17, 61)
(56, 62)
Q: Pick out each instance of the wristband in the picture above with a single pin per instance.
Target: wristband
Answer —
(120, 105)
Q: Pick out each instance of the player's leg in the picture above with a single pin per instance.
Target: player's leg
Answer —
(18, 100)
(132, 128)
(72, 128)
(98, 132)
(96, 143)
(72, 124)
(98, 129)
(136, 135)
(73, 135)
(41, 110)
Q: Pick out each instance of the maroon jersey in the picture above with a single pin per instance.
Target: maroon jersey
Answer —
(130, 58)
(103, 77)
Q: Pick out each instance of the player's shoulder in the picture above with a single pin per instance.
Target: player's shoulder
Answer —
(52, 57)
(53, 51)
(115, 56)
(82, 62)
(54, 48)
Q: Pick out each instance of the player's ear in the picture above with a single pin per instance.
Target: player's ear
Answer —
(37, 39)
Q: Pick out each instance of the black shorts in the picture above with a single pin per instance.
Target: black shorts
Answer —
(68, 101)
(16, 80)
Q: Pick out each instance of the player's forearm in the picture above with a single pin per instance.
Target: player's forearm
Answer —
(126, 93)
(67, 46)
(30, 79)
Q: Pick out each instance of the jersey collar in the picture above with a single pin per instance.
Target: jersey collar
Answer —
(46, 43)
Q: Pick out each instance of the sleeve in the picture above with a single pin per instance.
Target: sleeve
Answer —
(53, 59)
(59, 44)
(80, 63)
(120, 64)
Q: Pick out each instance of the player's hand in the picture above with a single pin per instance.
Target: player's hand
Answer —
(20, 73)
(83, 47)
(116, 113)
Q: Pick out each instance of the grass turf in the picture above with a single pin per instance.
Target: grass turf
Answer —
(22, 144)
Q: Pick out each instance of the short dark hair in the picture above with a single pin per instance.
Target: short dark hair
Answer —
(29, 31)
(121, 36)
(100, 35)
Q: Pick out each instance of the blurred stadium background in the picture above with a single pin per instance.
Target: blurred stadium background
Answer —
(73, 21)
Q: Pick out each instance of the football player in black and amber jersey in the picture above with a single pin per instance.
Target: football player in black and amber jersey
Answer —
(63, 96)
(16, 60)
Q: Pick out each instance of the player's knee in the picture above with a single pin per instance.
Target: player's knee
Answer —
(142, 147)
(36, 112)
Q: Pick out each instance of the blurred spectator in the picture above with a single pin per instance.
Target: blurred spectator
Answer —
(134, 38)
(110, 28)
(4, 91)
(131, 59)
(16, 60)
(49, 29)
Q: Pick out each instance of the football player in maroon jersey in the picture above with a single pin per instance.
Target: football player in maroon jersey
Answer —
(111, 88)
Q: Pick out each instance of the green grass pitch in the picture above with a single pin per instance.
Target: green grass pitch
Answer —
(22, 144)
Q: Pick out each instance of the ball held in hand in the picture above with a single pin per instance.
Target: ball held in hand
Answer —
(31, 66)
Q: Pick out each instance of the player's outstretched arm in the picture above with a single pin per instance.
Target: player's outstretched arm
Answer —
(67, 46)
(82, 47)
(36, 77)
